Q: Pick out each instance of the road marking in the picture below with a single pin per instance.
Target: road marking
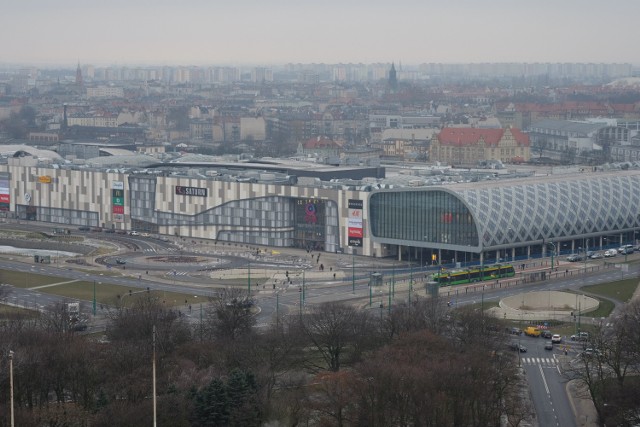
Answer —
(53, 284)
(544, 380)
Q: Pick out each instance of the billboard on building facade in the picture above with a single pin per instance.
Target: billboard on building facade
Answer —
(117, 201)
(354, 223)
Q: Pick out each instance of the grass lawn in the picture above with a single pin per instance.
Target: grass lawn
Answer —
(621, 290)
(110, 294)
(19, 279)
(83, 290)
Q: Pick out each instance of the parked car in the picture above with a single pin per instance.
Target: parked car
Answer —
(120, 261)
(84, 228)
(627, 251)
(596, 255)
(575, 257)
(514, 331)
(134, 233)
(610, 253)
(548, 345)
(109, 230)
(623, 249)
(556, 338)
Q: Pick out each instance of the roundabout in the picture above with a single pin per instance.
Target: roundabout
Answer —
(544, 305)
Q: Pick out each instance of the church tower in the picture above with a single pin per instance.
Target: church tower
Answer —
(79, 76)
(393, 80)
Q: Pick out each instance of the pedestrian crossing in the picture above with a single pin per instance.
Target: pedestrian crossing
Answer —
(176, 273)
(544, 361)
(163, 250)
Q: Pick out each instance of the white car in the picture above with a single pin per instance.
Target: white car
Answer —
(610, 253)
(556, 338)
(133, 233)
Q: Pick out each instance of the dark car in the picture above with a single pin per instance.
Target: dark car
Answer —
(84, 228)
(548, 345)
(120, 261)
(516, 346)
(546, 334)
(109, 230)
(514, 331)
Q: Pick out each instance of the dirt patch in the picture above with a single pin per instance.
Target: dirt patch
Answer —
(180, 259)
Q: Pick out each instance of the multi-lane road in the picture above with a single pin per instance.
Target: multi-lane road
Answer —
(542, 367)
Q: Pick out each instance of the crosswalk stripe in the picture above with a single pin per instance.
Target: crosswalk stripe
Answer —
(539, 361)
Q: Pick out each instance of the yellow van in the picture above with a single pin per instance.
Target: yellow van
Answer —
(532, 331)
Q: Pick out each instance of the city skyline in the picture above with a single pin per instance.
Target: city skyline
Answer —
(252, 33)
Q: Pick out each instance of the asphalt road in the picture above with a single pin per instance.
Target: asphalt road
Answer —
(547, 386)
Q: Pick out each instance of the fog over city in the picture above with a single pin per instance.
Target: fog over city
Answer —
(196, 32)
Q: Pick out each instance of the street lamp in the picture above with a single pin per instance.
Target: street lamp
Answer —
(553, 245)
(154, 377)
(11, 384)
(353, 270)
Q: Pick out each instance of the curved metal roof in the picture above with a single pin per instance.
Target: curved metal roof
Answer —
(559, 208)
(510, 213)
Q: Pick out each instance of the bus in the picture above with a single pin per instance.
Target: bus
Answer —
(474, 274)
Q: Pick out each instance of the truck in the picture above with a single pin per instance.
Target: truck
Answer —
(532, 331)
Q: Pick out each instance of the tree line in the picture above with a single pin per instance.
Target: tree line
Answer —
(420, 364)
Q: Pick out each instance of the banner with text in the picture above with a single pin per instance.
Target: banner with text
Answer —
(354, 223)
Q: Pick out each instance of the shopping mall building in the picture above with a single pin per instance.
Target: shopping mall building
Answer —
(484, 221)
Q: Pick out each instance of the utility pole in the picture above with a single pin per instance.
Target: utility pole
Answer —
(11, 385)
(410, 281)
(154, 378)
(353, 270)
(249, 280)
(303, 290)
(94, 297)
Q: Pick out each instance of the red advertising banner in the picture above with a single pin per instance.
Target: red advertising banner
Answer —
(355, 232)
(5, 198)
(118, 209)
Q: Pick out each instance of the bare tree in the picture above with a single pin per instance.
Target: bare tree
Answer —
(333, 328)
(231, 315)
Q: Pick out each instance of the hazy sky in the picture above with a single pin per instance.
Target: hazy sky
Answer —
(236, 32)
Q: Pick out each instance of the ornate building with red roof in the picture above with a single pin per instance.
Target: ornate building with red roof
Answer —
(467, 146)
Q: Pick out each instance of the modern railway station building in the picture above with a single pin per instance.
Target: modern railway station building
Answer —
(435, 223)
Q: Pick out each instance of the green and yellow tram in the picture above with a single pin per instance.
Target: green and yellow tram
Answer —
(474, 274)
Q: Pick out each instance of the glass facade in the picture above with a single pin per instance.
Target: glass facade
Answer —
(272, 220)
(435, 217)
(57, 215)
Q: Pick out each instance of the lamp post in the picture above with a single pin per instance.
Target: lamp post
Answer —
(11, 385)
(353, 270)
(277, 309)
(154, 377)
(553, 245)
(94, 297)
(586, 251)
(249, 280)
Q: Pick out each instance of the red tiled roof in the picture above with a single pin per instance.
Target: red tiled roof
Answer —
(320, 142)
(469, 136)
